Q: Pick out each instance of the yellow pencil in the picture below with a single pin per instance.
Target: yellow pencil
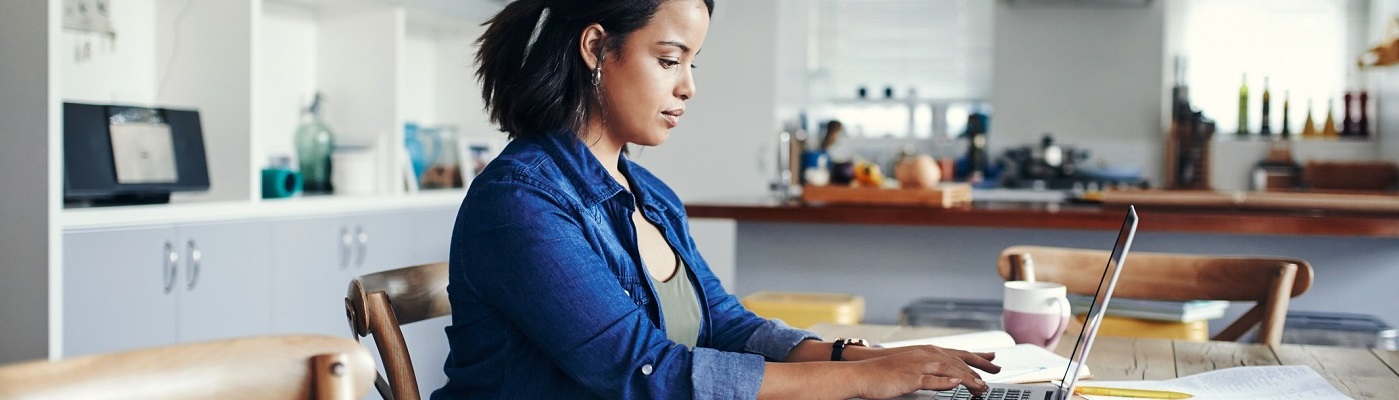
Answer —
(1139, 393)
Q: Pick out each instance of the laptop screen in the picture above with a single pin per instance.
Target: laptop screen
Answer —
(1100, 302)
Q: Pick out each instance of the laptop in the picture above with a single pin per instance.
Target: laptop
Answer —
(1085, 338)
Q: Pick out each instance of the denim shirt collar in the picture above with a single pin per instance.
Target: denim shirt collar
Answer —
(594, 184)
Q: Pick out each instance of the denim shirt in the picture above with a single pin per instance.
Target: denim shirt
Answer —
(550, 300)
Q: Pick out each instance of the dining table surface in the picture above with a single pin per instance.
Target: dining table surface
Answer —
(1357, 372)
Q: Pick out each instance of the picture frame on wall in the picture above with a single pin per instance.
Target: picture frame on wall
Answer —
(477, 151)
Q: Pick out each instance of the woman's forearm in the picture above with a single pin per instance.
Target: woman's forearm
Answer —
(814, 350)
(809, 380)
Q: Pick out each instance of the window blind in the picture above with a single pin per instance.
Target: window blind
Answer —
(939, 48)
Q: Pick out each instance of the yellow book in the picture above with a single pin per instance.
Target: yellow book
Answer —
(1195, 331)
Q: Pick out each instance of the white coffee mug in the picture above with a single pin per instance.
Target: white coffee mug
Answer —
(1036, 312)
(354, 172)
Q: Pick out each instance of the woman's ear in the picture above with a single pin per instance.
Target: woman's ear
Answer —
(591, 43)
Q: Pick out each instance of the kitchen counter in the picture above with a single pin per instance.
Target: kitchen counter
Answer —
(1059, 215)
(892, 255)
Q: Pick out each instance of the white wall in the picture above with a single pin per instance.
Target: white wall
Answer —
(205, 61)
(1092, 76)
(120, 71)
(29, 174)
(287, 78)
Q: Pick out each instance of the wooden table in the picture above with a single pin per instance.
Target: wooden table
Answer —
(1359, 373)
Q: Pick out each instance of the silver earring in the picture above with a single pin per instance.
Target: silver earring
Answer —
(597, 74)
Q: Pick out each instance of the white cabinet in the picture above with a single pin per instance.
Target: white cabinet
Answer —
(314, 260)
(141, 287)
(224, 290)
(134, 287)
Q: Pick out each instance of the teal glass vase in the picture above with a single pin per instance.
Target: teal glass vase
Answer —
(314, 144)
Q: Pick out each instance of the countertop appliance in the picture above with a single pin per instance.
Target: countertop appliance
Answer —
(1051, 166)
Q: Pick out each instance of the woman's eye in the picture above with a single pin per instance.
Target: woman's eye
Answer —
(668, 63)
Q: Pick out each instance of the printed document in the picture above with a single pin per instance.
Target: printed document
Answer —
(1282, 382)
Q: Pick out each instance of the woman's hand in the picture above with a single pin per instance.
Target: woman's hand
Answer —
(915, 369)
(890, 372)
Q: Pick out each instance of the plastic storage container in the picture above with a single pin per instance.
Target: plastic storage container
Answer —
(802, 310)
(1338, 329)
(953, 313)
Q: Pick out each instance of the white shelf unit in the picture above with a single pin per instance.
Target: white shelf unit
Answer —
(251, 66)
(228, 60)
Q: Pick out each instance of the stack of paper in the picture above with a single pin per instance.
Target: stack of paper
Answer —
(1024, 363)
(1178, 311)
(1239, 383)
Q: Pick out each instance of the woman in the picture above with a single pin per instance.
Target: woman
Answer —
(573, 274)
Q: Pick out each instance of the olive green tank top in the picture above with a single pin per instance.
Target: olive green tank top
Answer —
(679, 306)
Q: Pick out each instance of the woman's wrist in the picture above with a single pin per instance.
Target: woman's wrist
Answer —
(858, 353)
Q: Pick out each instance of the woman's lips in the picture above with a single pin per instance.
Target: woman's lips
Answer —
(672, 117)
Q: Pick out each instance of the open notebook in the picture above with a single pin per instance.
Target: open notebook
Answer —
(1020, 363)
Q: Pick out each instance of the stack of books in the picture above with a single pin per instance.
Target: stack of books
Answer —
(1156, 310)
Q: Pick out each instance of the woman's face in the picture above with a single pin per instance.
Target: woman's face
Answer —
(644, 88)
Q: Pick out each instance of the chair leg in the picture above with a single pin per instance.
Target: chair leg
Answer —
(1241, 326)
(1022, 268)
(1275, 308)
(382, 386)
(332, 380)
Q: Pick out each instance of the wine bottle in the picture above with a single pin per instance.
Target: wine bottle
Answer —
(1286, 113)
(1309, 126)
(1243, 106)
(1329, 129)
(1266, 128)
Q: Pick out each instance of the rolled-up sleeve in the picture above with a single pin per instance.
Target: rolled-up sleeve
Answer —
(723, 375)
(774, 339)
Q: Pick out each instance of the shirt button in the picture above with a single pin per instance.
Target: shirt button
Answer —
(627, 292)
(646, 369)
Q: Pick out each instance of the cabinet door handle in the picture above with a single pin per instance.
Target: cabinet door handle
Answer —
(172, 260)
(362, 241)
(346, 241)
(195, 258)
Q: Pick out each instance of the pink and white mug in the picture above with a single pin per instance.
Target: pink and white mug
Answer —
(1036, 312)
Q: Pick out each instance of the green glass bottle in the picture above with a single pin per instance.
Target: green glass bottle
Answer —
(314, 143)
(1286, 113)
(1243, 107)
(1266, 127)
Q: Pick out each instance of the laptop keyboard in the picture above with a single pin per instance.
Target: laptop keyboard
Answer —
(994, 394)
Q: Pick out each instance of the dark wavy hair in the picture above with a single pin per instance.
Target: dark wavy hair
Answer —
(536, 89)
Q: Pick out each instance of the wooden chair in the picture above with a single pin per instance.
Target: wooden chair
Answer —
(1271, 282)
(379, 303)
(269, 367)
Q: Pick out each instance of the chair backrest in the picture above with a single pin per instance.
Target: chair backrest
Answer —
(378, 303)
(269, 367)
(1271, 282)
